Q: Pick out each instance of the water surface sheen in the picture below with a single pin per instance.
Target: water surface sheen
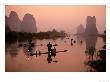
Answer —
(74, 60)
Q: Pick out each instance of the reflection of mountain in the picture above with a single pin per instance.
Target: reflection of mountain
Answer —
(91, 28)
(96, 60)
(90, 43)
(80, 39)
(13, 50)
(90, 50)
(28, 24)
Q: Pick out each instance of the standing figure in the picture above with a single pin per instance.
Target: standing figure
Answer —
(49, 47)
(30, 41)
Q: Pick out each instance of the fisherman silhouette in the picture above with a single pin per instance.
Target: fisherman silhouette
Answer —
(71, 39)
(49, 46)
(30, 41)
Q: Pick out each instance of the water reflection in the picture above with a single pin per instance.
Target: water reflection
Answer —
(58, 51)
(96, 60)
(90, 50)
(51, 52)
(12, 49)
(90, 44)
(80, 39)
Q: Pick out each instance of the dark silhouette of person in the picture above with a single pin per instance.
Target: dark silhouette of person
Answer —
(30, 41)
(71, 39)
(49, 46)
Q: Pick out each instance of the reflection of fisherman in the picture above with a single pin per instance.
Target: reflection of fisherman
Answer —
(49, 59)
(49, 47)
(53, 52)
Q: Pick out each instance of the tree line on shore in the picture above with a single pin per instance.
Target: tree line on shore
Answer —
(11, 36)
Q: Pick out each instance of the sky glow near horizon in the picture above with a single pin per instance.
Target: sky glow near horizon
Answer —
(61, 17)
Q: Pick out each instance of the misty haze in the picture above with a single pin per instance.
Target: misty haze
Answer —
(55, 38)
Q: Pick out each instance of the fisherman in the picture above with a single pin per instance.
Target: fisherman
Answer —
(71, 39)
(30, 41)
(49, 46)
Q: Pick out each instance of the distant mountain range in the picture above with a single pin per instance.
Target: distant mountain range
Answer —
(90, 29)
(80, 29)
(15, 24)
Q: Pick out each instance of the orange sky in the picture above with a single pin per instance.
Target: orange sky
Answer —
(66, 17)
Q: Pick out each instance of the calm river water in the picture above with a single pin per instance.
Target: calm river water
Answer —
(74, 60)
